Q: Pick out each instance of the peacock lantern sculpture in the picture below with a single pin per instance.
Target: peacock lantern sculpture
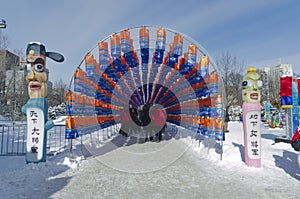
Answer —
(137, 70)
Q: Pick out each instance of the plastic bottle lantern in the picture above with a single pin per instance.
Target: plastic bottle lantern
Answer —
(252, 117)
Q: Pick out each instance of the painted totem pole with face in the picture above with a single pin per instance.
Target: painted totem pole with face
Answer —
(36, 108)
(252, 117)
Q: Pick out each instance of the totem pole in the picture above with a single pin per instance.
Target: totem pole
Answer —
(36, 108)
(252, 117)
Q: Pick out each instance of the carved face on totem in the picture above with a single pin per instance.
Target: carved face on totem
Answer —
(251, 86)
(37, 76)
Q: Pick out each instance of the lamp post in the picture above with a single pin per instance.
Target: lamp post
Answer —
(2, 26)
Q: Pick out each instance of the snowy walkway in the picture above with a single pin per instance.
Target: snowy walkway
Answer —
(174, 168)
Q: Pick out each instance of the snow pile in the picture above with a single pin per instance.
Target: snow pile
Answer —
(72, 163)
(173, 168)
(61, 120)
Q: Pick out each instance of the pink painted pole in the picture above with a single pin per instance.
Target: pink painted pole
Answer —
(252, 135)
(252, 117)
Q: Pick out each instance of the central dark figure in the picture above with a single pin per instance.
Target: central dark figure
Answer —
(148, 121)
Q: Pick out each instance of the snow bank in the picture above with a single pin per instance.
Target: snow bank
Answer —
(196, 170)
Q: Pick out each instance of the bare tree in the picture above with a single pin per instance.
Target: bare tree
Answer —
(3, 41)
(274, 97)
(264, 90)
(20, 53)
(231, 70)
(57, 96)
(3, 45)
(13, 88)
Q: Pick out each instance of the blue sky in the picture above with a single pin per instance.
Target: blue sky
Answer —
(259, 33)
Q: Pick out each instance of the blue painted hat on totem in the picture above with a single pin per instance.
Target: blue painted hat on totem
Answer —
(35, 50)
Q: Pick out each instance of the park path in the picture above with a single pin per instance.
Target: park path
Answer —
(168, 169)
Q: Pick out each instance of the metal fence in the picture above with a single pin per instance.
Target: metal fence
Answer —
(13, 139)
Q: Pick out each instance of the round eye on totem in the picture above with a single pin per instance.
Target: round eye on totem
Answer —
(246, 84)
(39, 67)
(259, 83)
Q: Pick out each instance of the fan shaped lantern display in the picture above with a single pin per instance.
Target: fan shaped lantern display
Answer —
(150, 66)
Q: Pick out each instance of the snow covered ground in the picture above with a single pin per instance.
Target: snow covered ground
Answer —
(177, 167)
